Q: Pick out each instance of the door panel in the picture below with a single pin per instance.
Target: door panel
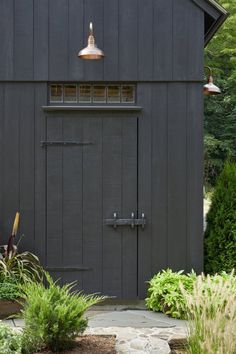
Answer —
(86, 184)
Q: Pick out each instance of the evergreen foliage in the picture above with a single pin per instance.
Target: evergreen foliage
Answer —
(220, 111)
(53, 315)
(220, 235)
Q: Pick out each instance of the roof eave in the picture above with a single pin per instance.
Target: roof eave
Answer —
(214, 28)
(216, 12)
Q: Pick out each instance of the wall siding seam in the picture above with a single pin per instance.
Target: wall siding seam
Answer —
(167, 172)
(186, 176)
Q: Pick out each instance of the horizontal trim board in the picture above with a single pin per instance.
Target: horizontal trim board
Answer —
(67, 269)
(91, 108)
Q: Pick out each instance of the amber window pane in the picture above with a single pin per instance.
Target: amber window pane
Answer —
(99, 94)
(70, 93)
(113, 94)
(84, 93)
(127, 93)
(56, 93)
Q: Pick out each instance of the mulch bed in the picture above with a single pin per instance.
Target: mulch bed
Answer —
(91, 344)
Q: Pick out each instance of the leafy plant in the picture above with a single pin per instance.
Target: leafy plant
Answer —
(10, 341)
(23, 266)
(53, 315)
(220, 235)
(9, 289)
(212, 315)
(164, 293)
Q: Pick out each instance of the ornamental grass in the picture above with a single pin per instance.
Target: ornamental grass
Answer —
(212, 315)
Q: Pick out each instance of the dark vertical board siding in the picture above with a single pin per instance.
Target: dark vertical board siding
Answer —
(41, 48)
(23, 40)
(177, 174)
(180, 39)
(11, 176)
(195, 177)
(72, 190)
(76, 38)
(2, 153)
(145, 40)
(26, 163)
(163, 40)
(188, 41)
(93, 12)
(195, 42)
(129, 205)
(112, 191)
(58, 40)
(128, 40)
(54, 194)
(111, 40)
(6, 39)
(159, 177)
(152, 40)
(40, 172)
(144, 94)
(92, 204)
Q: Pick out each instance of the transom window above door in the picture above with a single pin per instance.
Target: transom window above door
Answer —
(91, 93)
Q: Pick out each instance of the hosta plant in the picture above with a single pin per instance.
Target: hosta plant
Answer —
(164, 293)
(53, 315)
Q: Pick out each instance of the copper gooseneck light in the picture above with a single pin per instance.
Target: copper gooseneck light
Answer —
(91, 51)
(210, 88)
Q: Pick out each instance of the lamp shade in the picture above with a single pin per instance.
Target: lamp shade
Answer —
(210, 88)
(91, 52)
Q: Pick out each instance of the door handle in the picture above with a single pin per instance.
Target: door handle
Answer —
(132, 221)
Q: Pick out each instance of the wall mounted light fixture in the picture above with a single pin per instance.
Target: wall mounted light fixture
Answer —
(91, 51)
(211, 89)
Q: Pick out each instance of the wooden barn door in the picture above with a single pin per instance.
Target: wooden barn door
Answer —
(92, 174)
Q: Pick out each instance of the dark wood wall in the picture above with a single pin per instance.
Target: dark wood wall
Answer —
(170, 171)
(151, 40)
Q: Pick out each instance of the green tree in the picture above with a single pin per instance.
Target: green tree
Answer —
(220, 111)
(220, 235)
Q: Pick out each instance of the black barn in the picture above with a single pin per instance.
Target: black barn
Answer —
(87, 146)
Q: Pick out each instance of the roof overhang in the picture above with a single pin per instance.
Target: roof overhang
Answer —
(215, 16)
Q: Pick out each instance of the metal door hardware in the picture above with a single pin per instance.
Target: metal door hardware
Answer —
(132, 222)
(64, 143)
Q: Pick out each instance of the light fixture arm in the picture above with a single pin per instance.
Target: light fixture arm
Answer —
(91, 29)
(209, 69)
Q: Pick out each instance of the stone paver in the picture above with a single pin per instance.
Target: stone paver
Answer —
(140, 340)
(137, 331)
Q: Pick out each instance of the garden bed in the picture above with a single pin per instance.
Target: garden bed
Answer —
(91, 344)
(9, 308)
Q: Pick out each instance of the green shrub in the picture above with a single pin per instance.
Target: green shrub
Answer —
(220, 235)
(211, 312)
(164, 293)
(10, 341)
(53, 315)
(9, 289)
